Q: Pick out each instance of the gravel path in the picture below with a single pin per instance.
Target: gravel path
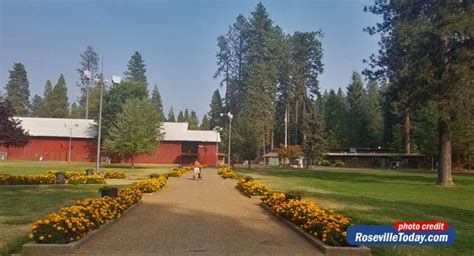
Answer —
(207, 217)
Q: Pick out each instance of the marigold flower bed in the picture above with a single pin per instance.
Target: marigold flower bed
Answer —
(178, 172)
(49, 178)
(27, 180)
(327, 225)
(74, 222)
(151, 185)
(115, 175)
(226, 173)
(252, 189)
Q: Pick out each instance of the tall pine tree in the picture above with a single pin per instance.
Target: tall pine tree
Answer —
(156, 101)
(171, 117)
(18, 90)
(216, 109)
(358, 116)
(90, 62)
(58, 101)
(136, 69)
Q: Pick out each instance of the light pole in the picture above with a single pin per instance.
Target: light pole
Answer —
(230, 116)
(70, 127)
(88, 75)
(217, 129)
(102, 83)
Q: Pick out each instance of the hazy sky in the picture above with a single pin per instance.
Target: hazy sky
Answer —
(177, 40)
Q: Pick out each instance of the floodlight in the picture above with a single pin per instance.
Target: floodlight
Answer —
(116, 79)
(87, 74)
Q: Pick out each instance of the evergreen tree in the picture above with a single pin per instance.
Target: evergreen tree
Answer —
(75, 111)
(245, 140)
(260, 75)
(171, 117)
(136, 69)
(193, 121)
(181, 117)
(156, 100)
(375, 117)
(115, 98)
(36, 105)
(205, 123)
(436, 52)
(18, 91)
(46, 106)
(231, 59)
(58, 101)
(315, 145)
(186, 115)
(11, 132)
(90, 62)
(216, 110)
(335, 117)
(358, 116)
(135, 131)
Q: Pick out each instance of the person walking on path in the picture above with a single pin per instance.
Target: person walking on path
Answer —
(197, 170)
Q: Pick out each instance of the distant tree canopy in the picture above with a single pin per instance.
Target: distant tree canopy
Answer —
(11, 132)
(266, 73)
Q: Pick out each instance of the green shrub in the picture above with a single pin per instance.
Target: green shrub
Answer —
(340, 164)
(295, 194)
(325, 163)
(155, 176)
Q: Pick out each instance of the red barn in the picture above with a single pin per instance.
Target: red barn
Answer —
(58, 139)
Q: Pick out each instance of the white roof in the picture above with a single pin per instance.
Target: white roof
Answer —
(179, 132)
(81, 128)
(58, 127)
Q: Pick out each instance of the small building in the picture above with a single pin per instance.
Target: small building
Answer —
(58, 139)
(376, 158)
(271, 158)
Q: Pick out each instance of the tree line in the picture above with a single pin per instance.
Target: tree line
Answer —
(418, 95)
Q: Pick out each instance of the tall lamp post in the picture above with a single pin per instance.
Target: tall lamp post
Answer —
(102, 83)
(217, 129)
(230, 116)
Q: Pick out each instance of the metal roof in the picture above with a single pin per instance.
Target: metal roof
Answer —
(58, 127)
(83, 128)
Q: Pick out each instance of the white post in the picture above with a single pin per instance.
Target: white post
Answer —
(70, 142)
(230, 136)
(286, 126)
(100, 128)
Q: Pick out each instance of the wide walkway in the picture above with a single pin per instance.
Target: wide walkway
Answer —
(208, 217)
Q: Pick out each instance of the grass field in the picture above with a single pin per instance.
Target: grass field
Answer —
(20, 206)
(35, 167)
(382, 197)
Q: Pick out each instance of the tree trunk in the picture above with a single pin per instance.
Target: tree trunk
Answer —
(406, 130)
(133, 164)
(445, 178)
(250, 164)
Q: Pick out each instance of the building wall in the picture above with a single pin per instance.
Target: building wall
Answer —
(53, 149)
(84, 150)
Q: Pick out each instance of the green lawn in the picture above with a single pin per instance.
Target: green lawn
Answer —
(35, 167)
(371, 196)
(20, 206)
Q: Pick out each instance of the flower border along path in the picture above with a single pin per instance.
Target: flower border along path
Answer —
(64, 231)
(325, 230)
